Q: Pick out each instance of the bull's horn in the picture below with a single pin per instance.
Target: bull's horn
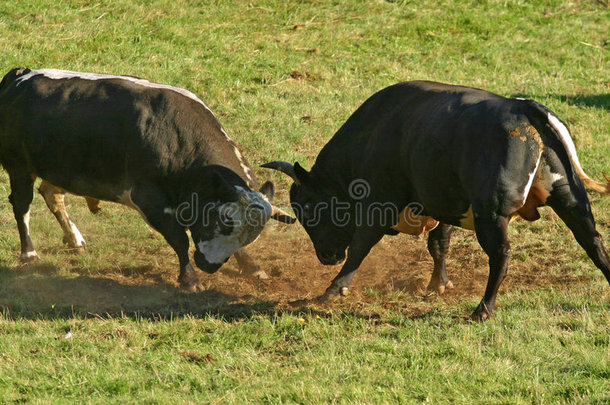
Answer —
(281, 216)
(283, 167)
(243, 198)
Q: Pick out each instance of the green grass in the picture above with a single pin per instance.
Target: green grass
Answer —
(282, 77)
(541, 349)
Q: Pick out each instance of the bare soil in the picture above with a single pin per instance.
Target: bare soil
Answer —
(394, 275)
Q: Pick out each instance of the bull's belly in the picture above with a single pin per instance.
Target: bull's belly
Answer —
(86, 187)
(413, 224)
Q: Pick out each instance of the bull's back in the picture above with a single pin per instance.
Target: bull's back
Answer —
(468, 146)
(438, 145)
(97, 136)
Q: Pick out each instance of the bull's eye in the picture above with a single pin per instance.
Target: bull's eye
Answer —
(225, 219)
(307, 210)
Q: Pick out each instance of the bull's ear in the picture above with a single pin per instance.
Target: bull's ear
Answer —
(268, 190)
(303, 175)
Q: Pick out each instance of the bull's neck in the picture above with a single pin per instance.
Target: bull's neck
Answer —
(338, 164)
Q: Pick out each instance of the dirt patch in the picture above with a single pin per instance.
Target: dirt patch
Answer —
(395, 274)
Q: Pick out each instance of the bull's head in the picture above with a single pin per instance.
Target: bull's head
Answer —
(232, 217)
(319, 211)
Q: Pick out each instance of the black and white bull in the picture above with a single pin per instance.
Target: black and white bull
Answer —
(155, 148)
(424, 156)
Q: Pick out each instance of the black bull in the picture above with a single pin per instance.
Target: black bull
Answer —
(422, 154)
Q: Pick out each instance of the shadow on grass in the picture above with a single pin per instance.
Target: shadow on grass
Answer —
(38, 291)
(601, 101)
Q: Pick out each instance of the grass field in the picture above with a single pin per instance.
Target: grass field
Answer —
(111, 326)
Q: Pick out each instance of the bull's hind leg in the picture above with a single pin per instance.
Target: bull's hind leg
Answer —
(93, 204)
(22, 192)
(491, 234)
(583, 228)
(438, 246)
(54, 198)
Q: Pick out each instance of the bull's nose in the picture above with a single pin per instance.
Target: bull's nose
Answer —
(206, 266)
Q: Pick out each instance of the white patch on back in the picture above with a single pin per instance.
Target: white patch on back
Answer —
(242, 161)
(57, 74)
(169, 211)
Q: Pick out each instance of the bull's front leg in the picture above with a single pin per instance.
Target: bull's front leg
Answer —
(438, 246)
(248, 266)
(153, 206)
(491, 234)
(358, 249)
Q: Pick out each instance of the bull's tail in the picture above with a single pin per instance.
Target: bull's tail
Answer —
(561, 131)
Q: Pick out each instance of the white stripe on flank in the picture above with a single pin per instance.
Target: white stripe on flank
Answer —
(57, 74)
(528, 186)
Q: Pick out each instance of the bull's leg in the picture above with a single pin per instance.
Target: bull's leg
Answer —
(359, 248)
(438, 246)
(54, 198)
(151, 203)
(491, 234)
(583, 228)
(93, 204)
(22, 192)
(247, 264)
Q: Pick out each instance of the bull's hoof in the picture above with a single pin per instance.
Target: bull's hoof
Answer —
(482, 313)
(192, 288)
(73, 244)
(28, 257)
(78, 250)
(332, 293)
(191, 285)
(261, 275)
(190, 280)
(253, 270)
(439, 287)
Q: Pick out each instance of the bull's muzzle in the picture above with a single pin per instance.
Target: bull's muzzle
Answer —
(206, 266)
